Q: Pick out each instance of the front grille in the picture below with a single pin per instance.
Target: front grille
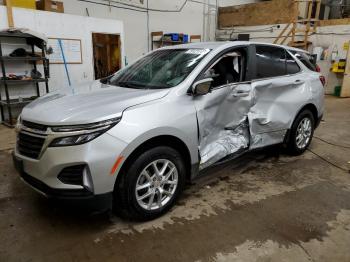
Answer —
(29, 146)
(72, 175)
(34, 125)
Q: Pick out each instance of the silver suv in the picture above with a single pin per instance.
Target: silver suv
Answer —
(132, 140)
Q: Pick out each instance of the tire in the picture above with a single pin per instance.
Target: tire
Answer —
(141, 173)
(297, 145)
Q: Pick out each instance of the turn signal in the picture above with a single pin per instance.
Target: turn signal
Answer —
(323, 80)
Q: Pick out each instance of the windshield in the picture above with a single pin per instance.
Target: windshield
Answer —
(159, 69)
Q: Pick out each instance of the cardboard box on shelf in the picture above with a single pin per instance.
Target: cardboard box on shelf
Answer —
(49, 5)
(23, 3)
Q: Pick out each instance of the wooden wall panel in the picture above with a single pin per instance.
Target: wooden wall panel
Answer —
(343, 21)
(263, 13)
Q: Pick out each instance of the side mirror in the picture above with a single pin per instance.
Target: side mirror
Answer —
(202, 87)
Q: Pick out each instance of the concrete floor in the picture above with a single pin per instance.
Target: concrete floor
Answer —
(263, 207)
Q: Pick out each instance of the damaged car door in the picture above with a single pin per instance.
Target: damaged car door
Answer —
(222, 111)
(279, 92)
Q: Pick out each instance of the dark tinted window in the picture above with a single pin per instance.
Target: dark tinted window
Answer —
(271, 61)
(292, 65)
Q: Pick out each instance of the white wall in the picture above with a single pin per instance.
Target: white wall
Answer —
(61, 26)
(194, 19)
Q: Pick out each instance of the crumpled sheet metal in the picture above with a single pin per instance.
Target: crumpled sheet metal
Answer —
(223, 128)
(266, 114)
(228, 142)
(275, 104)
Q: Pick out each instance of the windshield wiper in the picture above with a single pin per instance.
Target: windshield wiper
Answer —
(130, 84)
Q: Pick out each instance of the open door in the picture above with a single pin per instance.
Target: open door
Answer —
(222, 113)
(107, 54)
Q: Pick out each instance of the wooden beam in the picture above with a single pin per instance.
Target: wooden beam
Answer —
(331, 22)
(9, 13)
(286, 36)
(281, 34)
(345, 89)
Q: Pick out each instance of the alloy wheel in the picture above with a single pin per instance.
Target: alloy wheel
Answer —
(303, 134)
(156, 184)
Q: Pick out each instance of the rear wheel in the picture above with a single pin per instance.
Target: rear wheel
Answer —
(151, 185)
(301, 133)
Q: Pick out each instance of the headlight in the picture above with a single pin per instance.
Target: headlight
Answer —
(81, 134)
(89, 128)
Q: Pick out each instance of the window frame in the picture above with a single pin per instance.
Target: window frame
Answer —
(218, 61)
(249, 70)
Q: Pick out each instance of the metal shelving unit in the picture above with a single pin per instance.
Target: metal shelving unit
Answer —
(6, 102)
(162, 41)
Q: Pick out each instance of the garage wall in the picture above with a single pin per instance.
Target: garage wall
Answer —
(62, 26)
(194, 19)
(332, 37)
(262, 13)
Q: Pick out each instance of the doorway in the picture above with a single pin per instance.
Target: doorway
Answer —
(107, 54)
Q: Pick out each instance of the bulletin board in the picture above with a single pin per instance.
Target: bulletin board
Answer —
(72, 51)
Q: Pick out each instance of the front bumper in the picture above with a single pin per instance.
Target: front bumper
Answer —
(99, 156)
(82, 197)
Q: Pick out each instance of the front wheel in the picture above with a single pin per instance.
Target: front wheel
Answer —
(301, 133)
(151, 185)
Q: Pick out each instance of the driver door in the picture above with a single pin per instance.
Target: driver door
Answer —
(222, 113)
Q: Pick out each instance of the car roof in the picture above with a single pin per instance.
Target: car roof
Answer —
(217, 45)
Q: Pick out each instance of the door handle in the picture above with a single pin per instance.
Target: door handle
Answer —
(298, 82)
(240, 93)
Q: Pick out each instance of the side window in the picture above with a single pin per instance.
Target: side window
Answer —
(229, 68)
(306, 60)
(271, 61)
(292, 65)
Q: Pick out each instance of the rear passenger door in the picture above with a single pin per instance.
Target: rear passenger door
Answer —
(279, 92)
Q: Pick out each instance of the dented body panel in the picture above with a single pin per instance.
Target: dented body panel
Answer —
(222, 120)
(230, 124)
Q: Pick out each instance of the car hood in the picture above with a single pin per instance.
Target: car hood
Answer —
(87, 103)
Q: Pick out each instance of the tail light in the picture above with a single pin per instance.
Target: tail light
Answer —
(318, 69)
(323, 80)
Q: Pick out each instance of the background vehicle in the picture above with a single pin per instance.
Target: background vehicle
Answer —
(158, 122)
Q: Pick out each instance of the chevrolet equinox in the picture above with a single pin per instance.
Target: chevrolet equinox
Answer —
(131, 141)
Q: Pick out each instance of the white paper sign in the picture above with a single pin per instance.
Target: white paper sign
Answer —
(71, 49)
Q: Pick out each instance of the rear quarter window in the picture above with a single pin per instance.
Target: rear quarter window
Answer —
(292, 65)
(305, 59)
